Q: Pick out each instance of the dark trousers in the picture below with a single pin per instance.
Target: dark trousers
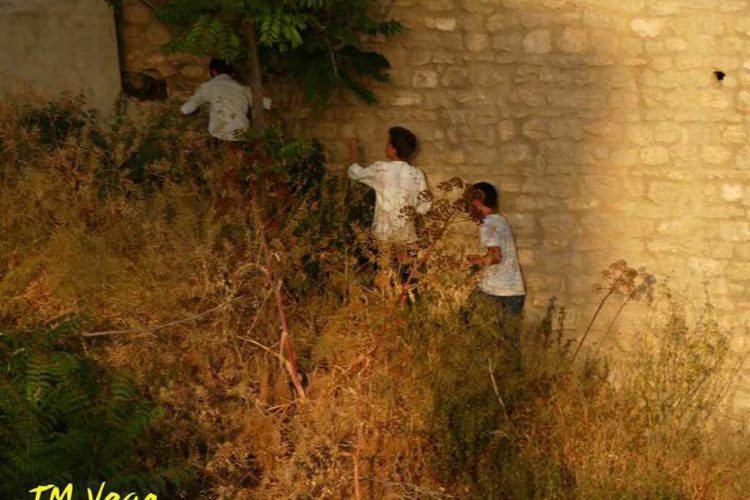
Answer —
(512, 305)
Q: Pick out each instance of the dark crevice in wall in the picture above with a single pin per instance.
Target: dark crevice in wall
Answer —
(143, 86)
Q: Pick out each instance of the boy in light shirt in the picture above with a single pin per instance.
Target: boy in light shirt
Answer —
(397, 185)
(501, 277)
(229, 103)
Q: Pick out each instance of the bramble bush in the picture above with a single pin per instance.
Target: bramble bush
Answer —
(147, 229)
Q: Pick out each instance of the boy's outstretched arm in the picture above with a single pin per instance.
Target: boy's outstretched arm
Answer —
(493, 256)
(195, 102)
(366, 175)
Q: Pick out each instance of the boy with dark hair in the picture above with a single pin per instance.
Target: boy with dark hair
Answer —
(501, 276)
(220, 67)
(229, 102)
(397, 185)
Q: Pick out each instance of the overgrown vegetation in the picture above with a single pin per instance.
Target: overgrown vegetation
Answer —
(318, 43)
(147, 230)
(66, 420)
(320, 46)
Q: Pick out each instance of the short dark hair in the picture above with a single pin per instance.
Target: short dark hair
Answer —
(404, 142)
(487, 194)
(221, 66)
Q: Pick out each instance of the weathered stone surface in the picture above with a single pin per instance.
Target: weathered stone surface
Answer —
(538, 42)
(648, 28)
(194, 72)
(601, 120)
(425, 78)
(715, 155)
(732, 192)
(476, 42)
(441, 23)
(137, 14)
(655, 155)
(157, 34)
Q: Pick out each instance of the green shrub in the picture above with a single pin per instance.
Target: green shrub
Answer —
(59, 120)
(64, 419)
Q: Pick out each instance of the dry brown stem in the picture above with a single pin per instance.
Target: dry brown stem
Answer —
(276, 285)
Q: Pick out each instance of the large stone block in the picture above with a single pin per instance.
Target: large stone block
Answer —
(538, 42)
(735, 231)
(655, 155)
(425, 78)
(648, 28)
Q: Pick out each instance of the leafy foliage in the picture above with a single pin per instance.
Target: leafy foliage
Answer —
(318, 43)
(58, 120)
(63, 419)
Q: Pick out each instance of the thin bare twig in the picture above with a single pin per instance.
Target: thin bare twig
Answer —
(494, 384)
(360, 442)
(284, 362)
(591, 323)
(257, 316)
(497, 394)
(276, 286)
(162, 326)
(611, 325)
(150, 5)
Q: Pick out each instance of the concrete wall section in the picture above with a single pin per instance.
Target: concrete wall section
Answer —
(55, 46)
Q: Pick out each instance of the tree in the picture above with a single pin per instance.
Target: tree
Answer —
(317, 43)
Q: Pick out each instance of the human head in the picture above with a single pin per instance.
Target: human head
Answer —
(401, 144)
(485, 198)
(220, 67)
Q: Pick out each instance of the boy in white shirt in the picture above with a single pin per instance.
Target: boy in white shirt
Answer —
(501, 276)
(397, 185)
(229, 102)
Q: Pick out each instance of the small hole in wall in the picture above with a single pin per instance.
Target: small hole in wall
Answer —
(144, 86)
(720, 75)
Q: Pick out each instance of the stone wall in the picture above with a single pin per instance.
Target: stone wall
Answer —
(602, 121)
(142, 39)
(50, 47)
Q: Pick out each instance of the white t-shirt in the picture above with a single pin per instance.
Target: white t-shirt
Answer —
(503, 279)
(229, 103)
(397, 185)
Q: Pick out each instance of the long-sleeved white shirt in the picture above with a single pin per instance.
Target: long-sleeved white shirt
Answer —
(397, 185)
(229, 103)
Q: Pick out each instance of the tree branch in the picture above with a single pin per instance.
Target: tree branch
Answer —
(256, 74)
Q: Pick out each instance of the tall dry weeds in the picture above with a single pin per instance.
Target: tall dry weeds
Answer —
(144, 227)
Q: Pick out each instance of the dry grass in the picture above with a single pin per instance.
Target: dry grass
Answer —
(146, 224)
